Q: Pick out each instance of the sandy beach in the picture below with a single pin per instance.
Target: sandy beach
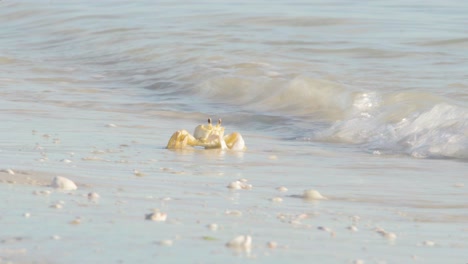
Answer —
(354, 116)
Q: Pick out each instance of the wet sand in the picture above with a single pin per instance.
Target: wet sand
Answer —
(375, 212)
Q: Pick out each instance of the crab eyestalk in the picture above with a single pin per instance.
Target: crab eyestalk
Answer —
(209, 120)
(219, 122)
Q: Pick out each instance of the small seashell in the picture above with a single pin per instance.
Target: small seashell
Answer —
(9, 171)
(76, 221)
(138, 173)
(276, 199)
(313, 195)
(55, 237)
(213, 227)
(428, 243)
(272, 244)
(240, 184)
(166, 242)
(240, 242)
(358, 261)
(93, 196)
(57, 206)
(385, 234)
(27, 215)
(353, 228)
(111, 125)
(233, 212)
(156, 216)
(282, 189)
(66, 161)
(63, 183)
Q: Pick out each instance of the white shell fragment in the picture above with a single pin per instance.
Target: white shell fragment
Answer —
(156, 216)
(385, 234)
(213, 227)
(9, 171)
(282, 189)
(63, 183)
(276, 199)
(240, 185)
(240, 242)
(313, 195)
(166, 242)
(93, 196)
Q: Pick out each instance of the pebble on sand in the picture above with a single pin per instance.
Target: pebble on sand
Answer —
(313, 195)
(27, 215)
(240, 242)
(156, 216)
(63, 183)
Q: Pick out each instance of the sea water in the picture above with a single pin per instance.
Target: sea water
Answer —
(365, 102)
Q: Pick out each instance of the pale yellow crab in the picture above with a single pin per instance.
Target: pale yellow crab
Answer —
(208, 136)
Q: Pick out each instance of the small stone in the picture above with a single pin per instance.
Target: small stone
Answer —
(353, 228)
(111, 125)
(240, 242)
(459, 185)
(63, 183)
(55, 237)
(312, 195)
(27, 215)
(66, 161)
(358, 261)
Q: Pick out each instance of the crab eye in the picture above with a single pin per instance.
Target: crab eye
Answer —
(209, 120)
(219, 121)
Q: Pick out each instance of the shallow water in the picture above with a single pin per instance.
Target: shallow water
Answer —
(366, 103)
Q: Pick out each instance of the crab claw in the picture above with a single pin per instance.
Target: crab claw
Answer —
(235, 141)
(180, 139)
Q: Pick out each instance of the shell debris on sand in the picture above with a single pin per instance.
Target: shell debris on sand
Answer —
(9, 171)
(385, 234)
(282, 189)
(313, 195)
(276, 199)
(63, 183)
(240, 185)
(93, 196)
(156, 216)
(166, 242)
(213, 227)
(240, 242)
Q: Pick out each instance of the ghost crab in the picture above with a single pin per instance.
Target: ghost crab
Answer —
(208, 136)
